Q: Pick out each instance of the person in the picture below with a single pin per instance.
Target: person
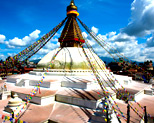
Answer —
(5, 87)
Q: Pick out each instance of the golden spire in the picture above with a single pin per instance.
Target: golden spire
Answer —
(71, 35)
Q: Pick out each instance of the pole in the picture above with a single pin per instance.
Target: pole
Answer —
(119, 120)
(107, 113)
(12, 114)
(128, 113)
(145, 115)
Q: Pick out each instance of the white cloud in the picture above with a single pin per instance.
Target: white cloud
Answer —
(35, 34)
(36, 57)
(142, 18)
(122, 44)
(104, 37)
(121, 37)
(84, 34)
(17, 42)
(3, 57)
(27, 40)
(43, 51)
(51, 46)
(2, 38)
(88, 38)
(150, 41)
(94, 29)
(91, 42)
(57, 34)
(54, 39)
(147, 53)
(111, 34)
(11, 54)
(125, 42)
(8, 45)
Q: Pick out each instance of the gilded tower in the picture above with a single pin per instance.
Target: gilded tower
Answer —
(71, 35)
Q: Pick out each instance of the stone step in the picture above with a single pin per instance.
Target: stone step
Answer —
(148, 92)
(20, 82)
(73, 84)
(97, 119)
(76, 101)
(101, 113)
(79, 97)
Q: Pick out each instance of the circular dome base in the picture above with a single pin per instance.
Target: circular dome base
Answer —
(71, 58)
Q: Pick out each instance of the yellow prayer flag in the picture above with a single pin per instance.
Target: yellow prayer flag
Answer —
(21, 121)
(105, 120)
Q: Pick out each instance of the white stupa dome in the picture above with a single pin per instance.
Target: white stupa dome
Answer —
(70, 58)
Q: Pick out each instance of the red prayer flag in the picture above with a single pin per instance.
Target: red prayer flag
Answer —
(3, 116)
(39, 91)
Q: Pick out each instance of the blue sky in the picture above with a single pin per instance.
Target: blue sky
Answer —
(126, 25)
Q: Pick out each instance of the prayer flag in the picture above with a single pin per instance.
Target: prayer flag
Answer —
(11, 119)
(3, 116)
(105, 120)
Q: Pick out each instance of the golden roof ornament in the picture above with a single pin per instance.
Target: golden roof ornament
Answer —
(72, 3)
(72, 9)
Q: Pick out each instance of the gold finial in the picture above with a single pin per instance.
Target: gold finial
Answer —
(72, 9)
(72, 2)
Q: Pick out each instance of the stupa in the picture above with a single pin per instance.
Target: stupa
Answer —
(74, 80)
(69, 91)
(70, 59)
(71, 56)
(13, 104)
